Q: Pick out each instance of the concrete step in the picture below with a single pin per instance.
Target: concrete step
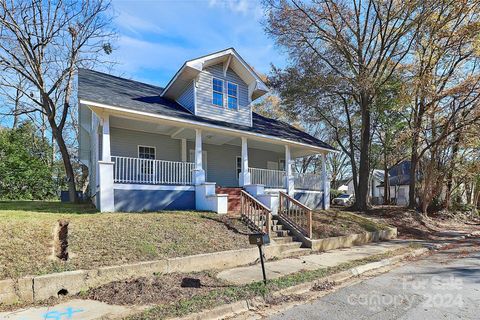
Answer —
(282, 233)
(282, 239)
(277, 227)
(275, 222)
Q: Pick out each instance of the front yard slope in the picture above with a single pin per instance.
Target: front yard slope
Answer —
(103, 239)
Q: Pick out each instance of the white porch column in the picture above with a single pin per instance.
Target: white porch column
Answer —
(199, 173)
(325, 183)
(289, 179)
(105, 166)
(244, 178)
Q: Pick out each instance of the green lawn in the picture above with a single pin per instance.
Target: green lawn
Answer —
(101, 239)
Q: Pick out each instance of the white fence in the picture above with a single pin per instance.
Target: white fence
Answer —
(147, 171)
(267, 177)
(307, 181)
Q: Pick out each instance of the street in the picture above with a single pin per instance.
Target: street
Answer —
(445, 285)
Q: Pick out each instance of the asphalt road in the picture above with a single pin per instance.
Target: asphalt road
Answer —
(445, 285)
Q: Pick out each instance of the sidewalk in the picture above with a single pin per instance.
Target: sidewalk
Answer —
(89, 309)
(283, 267)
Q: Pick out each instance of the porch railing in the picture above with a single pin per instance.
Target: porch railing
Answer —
(254, 213)
(148, 171)
(296, 213)
(269, 178)
(307, 181)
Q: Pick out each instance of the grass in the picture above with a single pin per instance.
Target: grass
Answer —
(334, 223)
(230, 294)
(102, 239)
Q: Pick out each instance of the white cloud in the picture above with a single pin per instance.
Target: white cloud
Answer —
(156, 37)
(136, 24)
(245, 7)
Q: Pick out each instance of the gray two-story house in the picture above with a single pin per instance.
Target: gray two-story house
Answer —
(192, 144)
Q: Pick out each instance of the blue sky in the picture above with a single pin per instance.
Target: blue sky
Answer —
(157, 36)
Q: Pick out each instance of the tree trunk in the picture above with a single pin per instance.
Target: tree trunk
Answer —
(57, 134)
(448, 193)
(361, 203)
(412, 201)
(17, 109)
(386, 183)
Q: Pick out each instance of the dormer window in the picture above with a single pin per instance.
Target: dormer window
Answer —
(232, 96)
(217, 98)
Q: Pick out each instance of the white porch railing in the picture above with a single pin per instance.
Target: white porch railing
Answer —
(267, 177)
(147, 171)
(307, 181)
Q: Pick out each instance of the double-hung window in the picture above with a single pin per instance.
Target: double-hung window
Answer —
(146, 166)
(232, 91)
(145, 152)
(217, 98)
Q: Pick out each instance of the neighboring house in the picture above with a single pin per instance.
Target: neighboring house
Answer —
(374, 191)
(399, 183)
(153, 148)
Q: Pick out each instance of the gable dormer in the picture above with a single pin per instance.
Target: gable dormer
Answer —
(218, 86)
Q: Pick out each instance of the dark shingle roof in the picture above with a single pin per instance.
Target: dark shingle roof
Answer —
(400, 180)
(100, 87)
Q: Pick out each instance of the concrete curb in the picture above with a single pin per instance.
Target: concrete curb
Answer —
(352, 240)
(38, 288)
(236, 308)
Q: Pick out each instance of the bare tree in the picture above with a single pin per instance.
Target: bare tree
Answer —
(361, 42)
(445, 83)
(44, 42)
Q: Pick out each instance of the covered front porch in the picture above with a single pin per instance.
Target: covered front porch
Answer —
(161, 162)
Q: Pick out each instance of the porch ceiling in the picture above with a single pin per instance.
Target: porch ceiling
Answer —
(208, 137)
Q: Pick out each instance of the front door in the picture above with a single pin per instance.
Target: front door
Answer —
(204, 160)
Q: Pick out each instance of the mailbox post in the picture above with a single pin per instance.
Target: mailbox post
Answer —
(260, 239)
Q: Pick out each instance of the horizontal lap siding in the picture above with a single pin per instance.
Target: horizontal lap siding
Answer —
(186, 99)
(125, 143)
(221, 162)
(205, 108)
(259, 158)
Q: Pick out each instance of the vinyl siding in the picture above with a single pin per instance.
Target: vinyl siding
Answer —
(125, 143)
(204, 106)
(187, 98)
(84, 139)
(221, 161)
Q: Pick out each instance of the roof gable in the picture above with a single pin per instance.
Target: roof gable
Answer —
(230, 59)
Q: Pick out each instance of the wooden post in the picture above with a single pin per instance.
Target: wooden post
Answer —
(310, 222)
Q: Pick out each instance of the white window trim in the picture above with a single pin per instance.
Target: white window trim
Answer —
(237, 97)
(141, 145)
(223, 93)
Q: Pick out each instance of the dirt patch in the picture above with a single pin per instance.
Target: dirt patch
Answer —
(335, 223)
(410, 224)
(324, 286)
(154, 290)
